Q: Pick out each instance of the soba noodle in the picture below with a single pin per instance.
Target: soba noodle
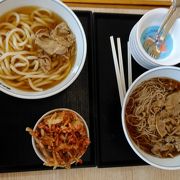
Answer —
(153, 117)
(23, 63)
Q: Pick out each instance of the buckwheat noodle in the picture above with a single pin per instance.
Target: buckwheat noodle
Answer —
(153, 117)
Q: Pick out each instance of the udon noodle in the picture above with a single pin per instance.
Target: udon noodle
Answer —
(37, 49)
(153, 117)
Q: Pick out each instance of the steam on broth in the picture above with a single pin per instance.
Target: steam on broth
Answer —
(153, 117)
(37, 49)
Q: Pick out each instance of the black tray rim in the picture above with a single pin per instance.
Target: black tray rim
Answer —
(91, 163)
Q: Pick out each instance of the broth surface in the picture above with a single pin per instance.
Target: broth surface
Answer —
(26, 61)
(153, 117)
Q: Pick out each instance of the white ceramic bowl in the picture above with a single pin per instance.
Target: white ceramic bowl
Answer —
(38, 153)
(137, 55)
(163, 163)
(73, 22)
(150, 19)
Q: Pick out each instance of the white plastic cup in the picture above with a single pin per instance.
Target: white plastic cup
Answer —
(154, 18)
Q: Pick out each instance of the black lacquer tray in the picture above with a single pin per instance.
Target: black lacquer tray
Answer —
(94, 95)
(16, 152)
(112, 147)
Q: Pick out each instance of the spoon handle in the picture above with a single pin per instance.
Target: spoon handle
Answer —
(168, 16)
(169, 24)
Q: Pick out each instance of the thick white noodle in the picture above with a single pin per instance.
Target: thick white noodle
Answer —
(19, 60)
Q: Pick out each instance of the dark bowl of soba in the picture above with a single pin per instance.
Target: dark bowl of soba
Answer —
(151, 117)
(42, 48)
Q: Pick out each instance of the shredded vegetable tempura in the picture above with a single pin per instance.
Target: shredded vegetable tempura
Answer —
(62, 138)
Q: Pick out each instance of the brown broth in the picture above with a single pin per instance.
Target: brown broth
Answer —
(132, 120)
(28, 10)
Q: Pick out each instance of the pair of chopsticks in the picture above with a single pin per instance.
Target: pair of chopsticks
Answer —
(119, 68)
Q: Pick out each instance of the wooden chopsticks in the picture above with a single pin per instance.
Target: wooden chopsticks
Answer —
(119, 67)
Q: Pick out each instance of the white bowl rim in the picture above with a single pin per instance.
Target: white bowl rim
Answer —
(49, 112)
(124, 124)
(135, 52)
(38, 95)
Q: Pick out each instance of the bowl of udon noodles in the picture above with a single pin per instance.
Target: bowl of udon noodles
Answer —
(42, 48)
(151, 117)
